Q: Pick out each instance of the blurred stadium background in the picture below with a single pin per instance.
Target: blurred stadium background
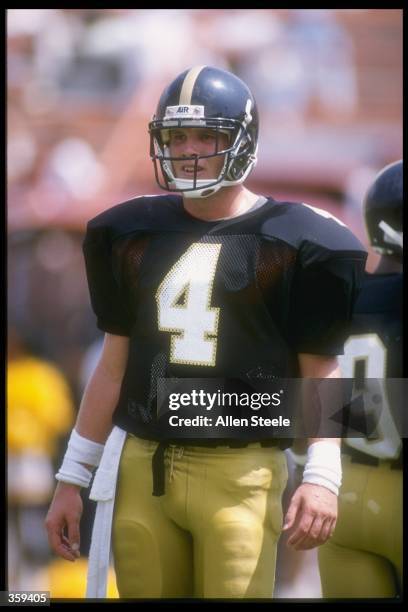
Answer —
(81, 86)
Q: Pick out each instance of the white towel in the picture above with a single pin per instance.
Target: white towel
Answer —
(103, 492)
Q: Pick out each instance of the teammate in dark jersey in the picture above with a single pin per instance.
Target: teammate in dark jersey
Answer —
(217, 282)
(364, 557)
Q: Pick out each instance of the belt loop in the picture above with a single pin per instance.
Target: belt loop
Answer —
(171, 463)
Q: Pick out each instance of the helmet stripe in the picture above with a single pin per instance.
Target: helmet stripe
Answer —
(188, 84)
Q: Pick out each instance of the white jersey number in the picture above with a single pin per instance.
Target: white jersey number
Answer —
(370, 349)
(183, 301)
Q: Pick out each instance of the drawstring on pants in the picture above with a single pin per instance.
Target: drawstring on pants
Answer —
(159, 469)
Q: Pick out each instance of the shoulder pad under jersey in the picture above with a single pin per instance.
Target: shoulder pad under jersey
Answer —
(144, 213)
(313, 231)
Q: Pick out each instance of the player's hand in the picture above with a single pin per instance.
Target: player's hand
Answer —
(62, 521)
(312, 516)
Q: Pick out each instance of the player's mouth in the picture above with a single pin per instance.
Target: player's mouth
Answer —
(190, 169)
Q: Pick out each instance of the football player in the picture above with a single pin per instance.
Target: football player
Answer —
(364, 556)
(211, 281)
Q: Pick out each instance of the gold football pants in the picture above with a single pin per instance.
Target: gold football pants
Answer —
(213, 533)
(364, 556)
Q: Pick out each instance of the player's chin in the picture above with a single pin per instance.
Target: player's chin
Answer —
(191, 175)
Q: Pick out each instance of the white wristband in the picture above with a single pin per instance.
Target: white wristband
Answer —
(84, 450)
(323, 465)
(74, 473)
(80, 450)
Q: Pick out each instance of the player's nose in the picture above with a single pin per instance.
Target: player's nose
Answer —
(191, 146)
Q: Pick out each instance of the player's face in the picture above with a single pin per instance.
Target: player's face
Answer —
(186, 142)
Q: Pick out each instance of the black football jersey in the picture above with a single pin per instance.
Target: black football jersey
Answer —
(236, 298)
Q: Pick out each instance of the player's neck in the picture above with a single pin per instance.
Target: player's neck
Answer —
(225, 203)
(388, 265)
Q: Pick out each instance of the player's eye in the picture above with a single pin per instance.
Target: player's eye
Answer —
(177, 137)
(208, 136)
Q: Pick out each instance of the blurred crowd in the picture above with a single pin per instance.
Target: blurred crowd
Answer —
(80, 81)
(81, 86)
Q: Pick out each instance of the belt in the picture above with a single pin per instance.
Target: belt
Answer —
(365, 459)
(158, 456)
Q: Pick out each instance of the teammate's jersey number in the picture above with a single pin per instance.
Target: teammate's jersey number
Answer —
(368, 350)
(184, 306)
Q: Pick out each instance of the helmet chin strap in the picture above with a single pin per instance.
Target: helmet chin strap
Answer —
(202, 191)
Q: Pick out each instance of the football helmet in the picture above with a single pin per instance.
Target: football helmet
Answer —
(383, 210)
(211, 98)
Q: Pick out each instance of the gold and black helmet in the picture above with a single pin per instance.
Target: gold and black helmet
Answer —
(211, 98)
(383, 205)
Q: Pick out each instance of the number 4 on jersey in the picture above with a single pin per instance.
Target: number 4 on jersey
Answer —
(183, 301)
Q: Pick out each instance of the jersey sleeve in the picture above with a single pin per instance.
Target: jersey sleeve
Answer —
(324, 290)
(107, 297)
